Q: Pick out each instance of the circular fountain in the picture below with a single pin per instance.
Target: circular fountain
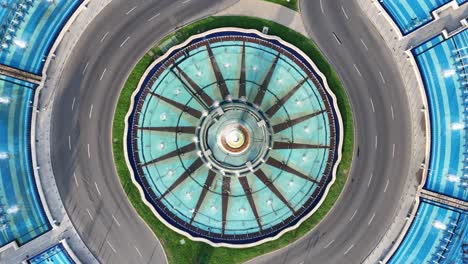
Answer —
(233, 138)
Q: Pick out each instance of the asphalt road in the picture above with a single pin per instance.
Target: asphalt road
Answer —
(81, 145)
(88, 92)
(375, 89)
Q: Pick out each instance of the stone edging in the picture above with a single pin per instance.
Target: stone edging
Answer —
(335, 167)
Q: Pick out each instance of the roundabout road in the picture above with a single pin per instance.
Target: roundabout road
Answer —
(378, 99)
(81, 146)
(89, 88)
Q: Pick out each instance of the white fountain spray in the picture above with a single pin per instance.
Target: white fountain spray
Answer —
(4, 155)
(439, 225)
(4, 100)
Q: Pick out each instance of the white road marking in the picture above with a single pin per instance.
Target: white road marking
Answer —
(125, 41)
(329, 244)
(344, 12)
(89, 213)
(153, 17)
(376, 142)
(372, 219)
(76, 180)
(354, 214)
(393, 151)
(97, 189)
(89, 153)
(336, 38)
(386, 186)
(372, 104)
(102, 75)
(131, 10)
(393, 114)
(364, 44)
(69, 142)
(115, 219)
(111, 247)
(73, 103)
(381, 77)
(104, 37)
(138, 251)
(347, 251)
(186, 1)
(355, 67)
(321, 7)
(85, 67)
(91, 111)
(370, 179)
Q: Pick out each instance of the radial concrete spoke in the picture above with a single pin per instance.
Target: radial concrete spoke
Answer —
(219, 76)
(191, 111)
(183, 129)
(287, 124)
(248, 192)
(280, 165)
(188, 148)
(195, 166)
(266, 82)
(274, 108)
(268, 183)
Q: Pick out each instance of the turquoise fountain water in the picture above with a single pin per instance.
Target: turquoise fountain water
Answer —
(233, 138)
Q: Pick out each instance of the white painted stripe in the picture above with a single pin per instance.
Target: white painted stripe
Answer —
(73, 103)
(372, 219)
(131, 10)
(355, 67)
(111, 247)
(97, 189)
(370, 179)
(354, 214)
(381, 77)
(386, 186)
(76, 180)
(89, 153)
(393, 114)
(69, 142)
(336, 38)
(186, 1)
(372, 104)
(321, 6)
(393, 151)
(376, 142)
(364, 44)
(153, 17)
(89, 213)
(329, 244)
(90, 111)
(125, 41)
(138, 251)
(104, 37)
(347, 251)
(102, 75)
(115, 219)
(344, 12)
(85, 67)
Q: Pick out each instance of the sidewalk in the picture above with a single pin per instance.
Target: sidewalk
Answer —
(269, 11)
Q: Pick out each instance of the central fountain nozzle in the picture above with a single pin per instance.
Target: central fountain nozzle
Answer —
(234, 139)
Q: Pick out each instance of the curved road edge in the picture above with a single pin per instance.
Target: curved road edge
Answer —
(115, 218)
